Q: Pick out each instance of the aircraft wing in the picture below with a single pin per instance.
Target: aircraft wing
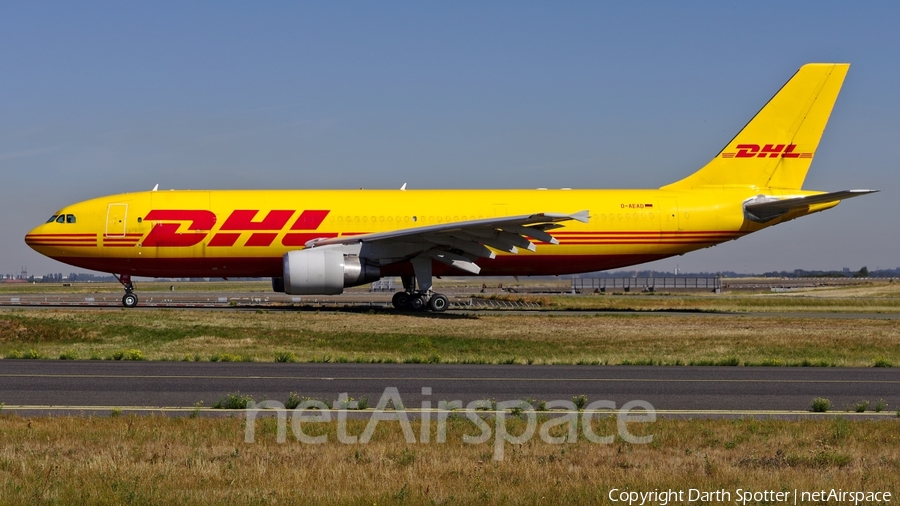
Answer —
(472, 237)
(768, 208)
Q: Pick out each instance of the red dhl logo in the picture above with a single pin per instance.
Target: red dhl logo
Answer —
(767, 150)
(200, 223)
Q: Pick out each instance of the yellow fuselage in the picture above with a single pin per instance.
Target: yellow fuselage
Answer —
(238, 233)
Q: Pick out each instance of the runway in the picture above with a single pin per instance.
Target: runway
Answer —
(71, 384)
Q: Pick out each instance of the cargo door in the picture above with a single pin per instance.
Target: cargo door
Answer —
(116, 215)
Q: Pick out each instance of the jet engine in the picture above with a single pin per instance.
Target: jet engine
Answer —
(325, 271)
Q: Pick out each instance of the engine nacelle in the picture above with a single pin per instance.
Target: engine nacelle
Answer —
(325, 271)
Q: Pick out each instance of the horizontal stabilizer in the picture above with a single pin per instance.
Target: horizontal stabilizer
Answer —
(763, 208)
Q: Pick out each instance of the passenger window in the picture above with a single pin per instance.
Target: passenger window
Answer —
(52, 219)
(61, 219)
(70, 218)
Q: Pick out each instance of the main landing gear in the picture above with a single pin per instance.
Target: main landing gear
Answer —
(129, 299)
(422, 299)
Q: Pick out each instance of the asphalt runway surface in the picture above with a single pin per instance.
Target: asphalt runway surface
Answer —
(74, 384)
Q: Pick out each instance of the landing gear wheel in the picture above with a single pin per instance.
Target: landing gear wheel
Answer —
(400, 300)
(418, 303)
(439, 303)
(129, 300)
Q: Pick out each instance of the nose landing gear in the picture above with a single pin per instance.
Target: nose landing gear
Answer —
(130, 299)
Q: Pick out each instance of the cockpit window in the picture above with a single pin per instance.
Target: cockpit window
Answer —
(62, 218)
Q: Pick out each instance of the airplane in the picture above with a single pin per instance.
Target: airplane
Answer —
(323, 241)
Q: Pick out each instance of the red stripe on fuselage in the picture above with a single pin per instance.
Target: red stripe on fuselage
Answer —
(61, 240)
(64, 244)
(61, 235)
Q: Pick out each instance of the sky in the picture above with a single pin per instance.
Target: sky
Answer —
(102, 98)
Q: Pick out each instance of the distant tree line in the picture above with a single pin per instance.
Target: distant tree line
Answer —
(864, 272)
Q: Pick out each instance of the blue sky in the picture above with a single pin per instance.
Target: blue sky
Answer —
(102, 98)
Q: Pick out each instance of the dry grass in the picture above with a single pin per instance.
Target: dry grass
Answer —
(831, 301)
(389, 337)
(153, 460)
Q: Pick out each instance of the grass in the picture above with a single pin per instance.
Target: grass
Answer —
(861, 406)
(732, 303)
(873, 296)
(883, 362)
(285, 356)
(229, 357)
(68, 355)
(153, 460)
(234, 400)
(580, 401)
(31, 354)
(131, 354)
(386, 337)
(821, 405)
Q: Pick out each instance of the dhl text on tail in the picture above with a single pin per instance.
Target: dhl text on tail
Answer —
(320, 242)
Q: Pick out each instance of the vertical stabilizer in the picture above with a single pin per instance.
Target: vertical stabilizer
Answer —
(775, 149)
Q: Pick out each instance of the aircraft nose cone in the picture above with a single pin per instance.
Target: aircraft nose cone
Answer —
(31, 238)
(40, 238)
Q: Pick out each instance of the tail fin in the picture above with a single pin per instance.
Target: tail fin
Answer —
(775, 148)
